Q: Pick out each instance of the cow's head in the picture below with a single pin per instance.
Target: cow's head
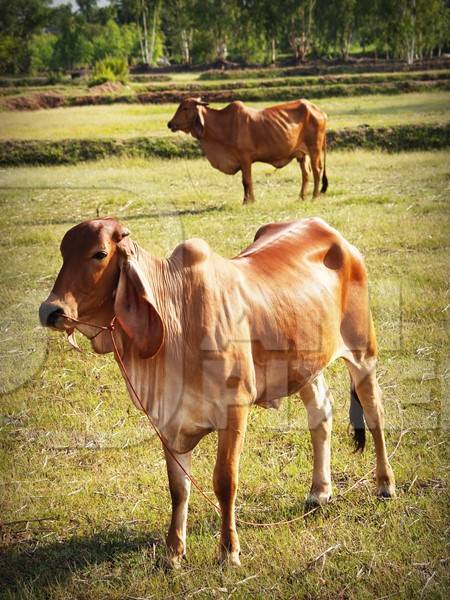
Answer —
(101, 277)
(189, 117)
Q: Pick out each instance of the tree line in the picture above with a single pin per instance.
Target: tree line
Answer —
(36, 36)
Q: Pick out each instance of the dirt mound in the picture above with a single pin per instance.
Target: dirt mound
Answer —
(34, 101)
(107, 88)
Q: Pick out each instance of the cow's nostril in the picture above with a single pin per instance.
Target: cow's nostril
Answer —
(49, 313)
(169, 125)
(53, 316)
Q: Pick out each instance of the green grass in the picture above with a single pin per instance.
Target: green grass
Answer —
(75, 450)
(123, 121)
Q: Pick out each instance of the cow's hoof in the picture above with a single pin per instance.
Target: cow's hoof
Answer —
(249, 201)
(386, 490)
(230, 558)
(386, 484)
(173, 562)
(316, 499)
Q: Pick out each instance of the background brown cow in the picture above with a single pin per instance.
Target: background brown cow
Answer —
(236, 136)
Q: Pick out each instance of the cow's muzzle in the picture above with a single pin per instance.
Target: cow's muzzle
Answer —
(51, 315)
(171, 126)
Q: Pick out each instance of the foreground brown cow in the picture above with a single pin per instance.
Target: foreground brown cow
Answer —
(205, 337)
(237, 136)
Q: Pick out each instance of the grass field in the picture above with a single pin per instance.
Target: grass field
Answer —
(85, 502)
(204, 80)
(123, 120)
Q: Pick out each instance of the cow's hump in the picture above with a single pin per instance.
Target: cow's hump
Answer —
(192, 252)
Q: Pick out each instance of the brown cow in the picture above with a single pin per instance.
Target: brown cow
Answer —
(204, 337)
(237, 136)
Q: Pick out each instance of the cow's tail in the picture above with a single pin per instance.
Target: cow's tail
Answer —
(356, 415)
(324, 175)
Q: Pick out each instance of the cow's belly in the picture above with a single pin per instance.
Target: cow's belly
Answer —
(280, 162)
(276, 380)
(221, 158)
(283, 147)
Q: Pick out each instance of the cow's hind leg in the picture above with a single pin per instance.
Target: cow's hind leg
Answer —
(318, 402)
(247, 181)
(316, 166)
(226, 475)
(365, 382)
(304, 169)
(180, 487)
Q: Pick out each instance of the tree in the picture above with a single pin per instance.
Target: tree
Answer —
(146, 14)
(217, 17)
(337, 24)
(271, 19)
(19, 20)
(178, 19)
(73, 48)
(88, 9)
(42, 48)
(301, 27)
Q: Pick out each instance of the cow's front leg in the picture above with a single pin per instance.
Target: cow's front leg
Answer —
(226, 475)
(318, 402)
(180, 487)
(247, 181)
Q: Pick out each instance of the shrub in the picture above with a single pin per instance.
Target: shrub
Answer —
(42, 48)
(109, 69)
(9, 54)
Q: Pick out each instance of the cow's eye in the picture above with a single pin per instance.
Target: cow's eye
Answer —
(100, 255)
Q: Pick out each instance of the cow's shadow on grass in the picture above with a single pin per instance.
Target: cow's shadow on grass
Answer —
(37, 567)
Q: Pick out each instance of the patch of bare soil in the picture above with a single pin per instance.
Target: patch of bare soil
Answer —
(108, 87)
(34, 101)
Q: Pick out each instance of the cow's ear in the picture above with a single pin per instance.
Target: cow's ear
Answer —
(135, 310)
(198, 127)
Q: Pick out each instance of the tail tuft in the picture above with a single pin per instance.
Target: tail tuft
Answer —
(356, 415)
(324, 176)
